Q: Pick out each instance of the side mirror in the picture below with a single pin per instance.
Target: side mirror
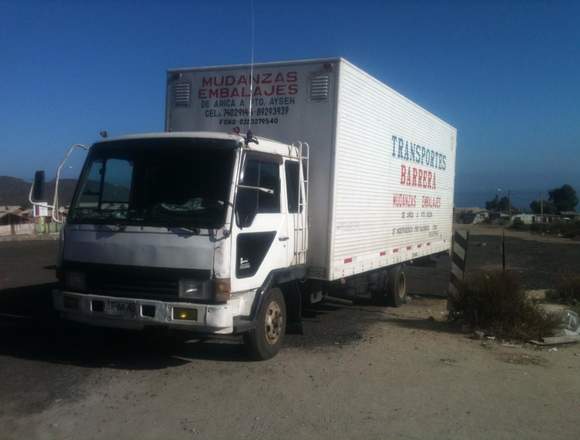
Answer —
(38, 186)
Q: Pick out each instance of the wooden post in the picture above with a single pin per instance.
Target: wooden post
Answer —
(503, 265)
(458, 265)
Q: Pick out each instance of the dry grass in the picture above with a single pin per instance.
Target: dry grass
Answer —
(494, 301)
(568, 289)
(568, 230)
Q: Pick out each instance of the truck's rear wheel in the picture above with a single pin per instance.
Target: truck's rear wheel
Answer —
(264, 341)
(397, 286)
(379, 295)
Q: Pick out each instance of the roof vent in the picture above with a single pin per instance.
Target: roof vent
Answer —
(182, 94)
(319, 86)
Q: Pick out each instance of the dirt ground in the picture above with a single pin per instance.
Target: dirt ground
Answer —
(358, 370)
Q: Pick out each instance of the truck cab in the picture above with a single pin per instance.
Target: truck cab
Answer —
(201, 231)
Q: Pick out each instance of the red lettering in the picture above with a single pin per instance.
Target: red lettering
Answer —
(206, 82)
(201, 94)
(404, 200)
(292, 89)
(418, 178)
(291, 77)
(266, 79)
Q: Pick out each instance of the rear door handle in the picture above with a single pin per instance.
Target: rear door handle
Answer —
(283, 238)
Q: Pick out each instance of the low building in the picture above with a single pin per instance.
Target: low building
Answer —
(470, 216)
(570, 216)
(526, 219)
(13, 215)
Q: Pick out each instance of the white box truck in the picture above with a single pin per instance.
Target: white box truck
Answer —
(273, 184)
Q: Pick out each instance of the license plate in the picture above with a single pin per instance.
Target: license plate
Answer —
(121, 308)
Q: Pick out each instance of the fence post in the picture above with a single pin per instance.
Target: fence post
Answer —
(459, 247)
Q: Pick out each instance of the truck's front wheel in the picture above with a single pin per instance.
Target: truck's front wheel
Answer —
(264, 341)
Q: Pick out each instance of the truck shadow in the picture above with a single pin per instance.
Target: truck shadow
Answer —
(426, 324)
(30, 329)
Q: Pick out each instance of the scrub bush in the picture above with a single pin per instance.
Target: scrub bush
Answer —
(495, 302)
(568, 289)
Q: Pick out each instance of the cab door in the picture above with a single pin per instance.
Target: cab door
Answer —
(260, 240)
(296, 230)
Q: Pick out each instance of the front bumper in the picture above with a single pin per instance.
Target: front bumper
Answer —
(103, 311)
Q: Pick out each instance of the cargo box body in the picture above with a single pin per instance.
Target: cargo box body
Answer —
(381, 168)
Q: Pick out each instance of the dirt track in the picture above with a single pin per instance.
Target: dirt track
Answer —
(358, 371)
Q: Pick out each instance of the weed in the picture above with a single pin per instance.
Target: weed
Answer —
(568, 289)
(495, 301)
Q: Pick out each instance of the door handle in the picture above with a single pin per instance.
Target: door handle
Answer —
(283, 238)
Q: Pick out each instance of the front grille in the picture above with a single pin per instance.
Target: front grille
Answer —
(125, 284)
(135, 282)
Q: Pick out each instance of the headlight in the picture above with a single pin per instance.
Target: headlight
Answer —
(75, 281)
(217, 290)
(194, 289)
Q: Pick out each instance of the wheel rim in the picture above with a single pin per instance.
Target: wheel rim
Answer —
(273, 323)
(402, 286)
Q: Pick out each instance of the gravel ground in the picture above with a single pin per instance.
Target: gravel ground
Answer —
(357, 371)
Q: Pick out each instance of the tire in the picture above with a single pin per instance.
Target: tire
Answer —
(379, 295)
(397, 287)
(264, 341)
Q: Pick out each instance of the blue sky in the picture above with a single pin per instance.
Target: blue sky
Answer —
(506, 74)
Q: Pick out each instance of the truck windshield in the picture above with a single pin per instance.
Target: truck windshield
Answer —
(157, 182)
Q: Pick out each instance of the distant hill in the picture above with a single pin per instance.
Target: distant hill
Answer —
(14, 191)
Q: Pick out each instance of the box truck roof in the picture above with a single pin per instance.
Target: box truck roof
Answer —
(330, 61)
(268, 64)
(181, 135)
(263, 144)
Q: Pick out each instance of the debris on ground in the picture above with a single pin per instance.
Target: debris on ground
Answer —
(508, 345)
(557, 340)
(570, 323)
(478, 334)
(537, 294)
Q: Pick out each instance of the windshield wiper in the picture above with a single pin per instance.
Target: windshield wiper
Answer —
(191, 230)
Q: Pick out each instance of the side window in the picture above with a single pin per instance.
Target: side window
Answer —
(269, 177)
(292, 185)
(251, 200)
